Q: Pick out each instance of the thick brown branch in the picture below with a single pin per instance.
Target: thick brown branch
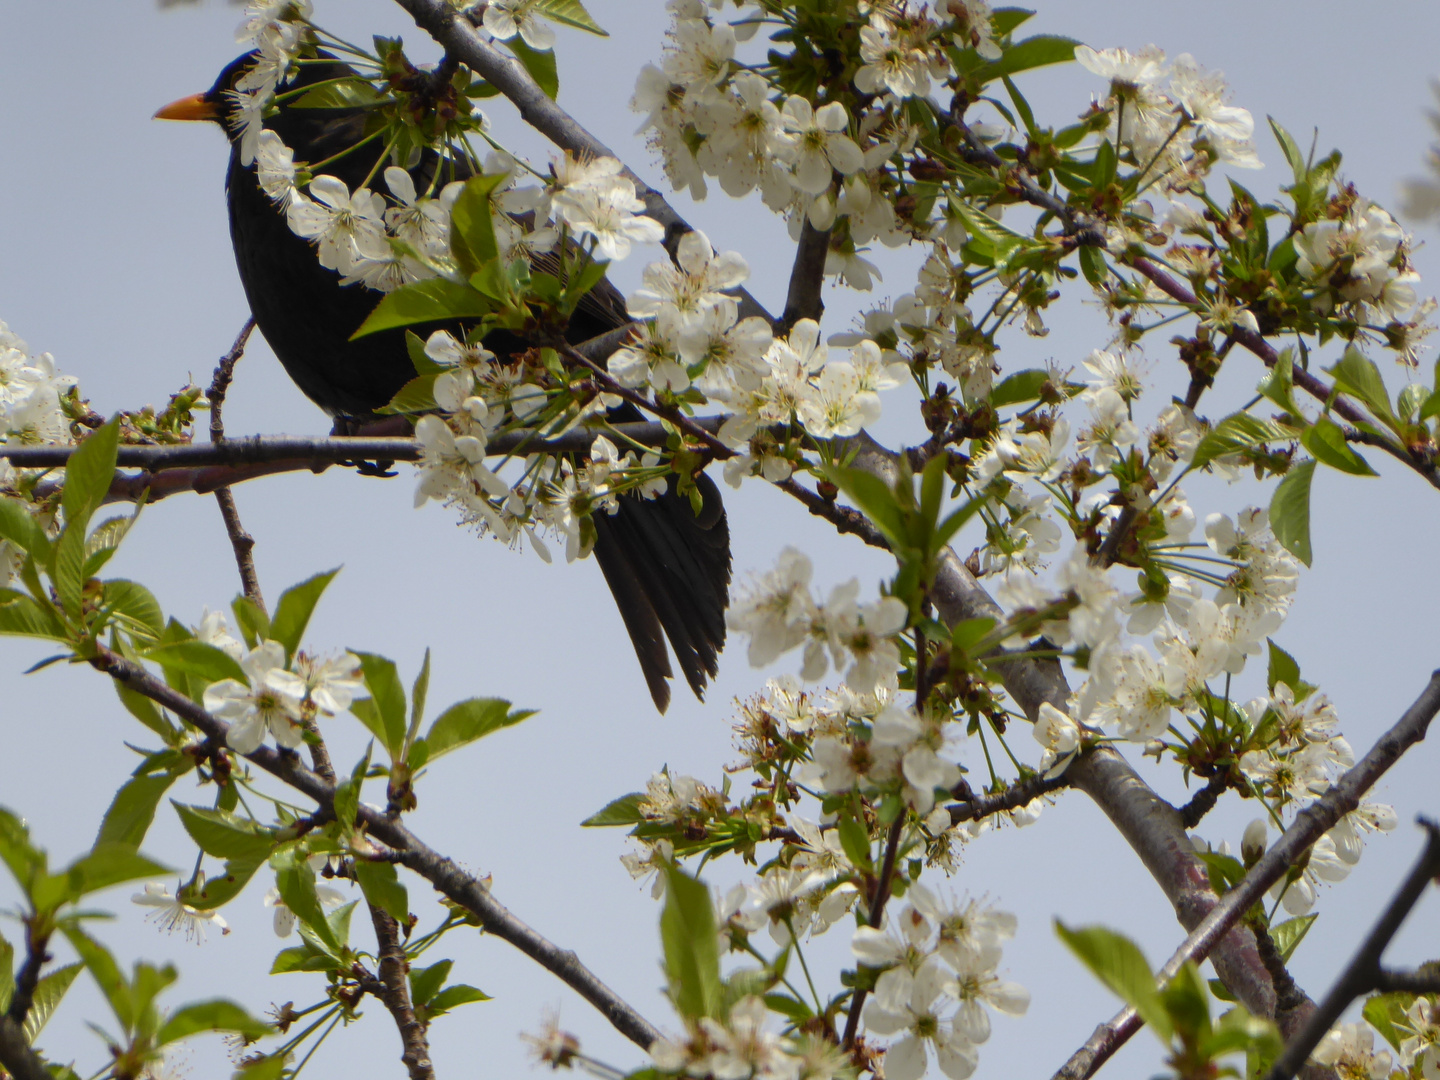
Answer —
(28, 977)
(20, 1061)
(807, 277)
(1363, 973)
(452, 30)
(395, 993)
(410, 851)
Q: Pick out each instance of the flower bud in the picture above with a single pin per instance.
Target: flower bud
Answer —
(1252, 844)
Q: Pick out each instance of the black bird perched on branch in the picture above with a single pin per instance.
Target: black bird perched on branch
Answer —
(667, 566)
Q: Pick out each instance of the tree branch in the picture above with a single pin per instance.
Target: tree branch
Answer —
(452, 30)
(241, 541)
(807, 277)
(395, 993)
(1363, 974)
(20, 1061)
(409, 850)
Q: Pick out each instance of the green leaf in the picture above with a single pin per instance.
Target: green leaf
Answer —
(133, 809)
(472, 223)
(21, 529)
(1283, 669)
(1326, 442)
(1290, 511)
(1291, 932)
(1225, 871)
(1241, 431)
(452, 997)
(1386, 1012)
(271, 1067)
(87, 477)
(1033, 52)
(219, 891)
(364, 710)
(795, 1011)
(303, 958)
(692, 951)
(195, 657)
(1238, 1030)
(104, 970)
(855, 840)
(426, 982)
(252, 620)
(1118, 962)
(22, 616)
(1292, 153)
(341, 94)
(383, 889)
(7, 973)
(571, 13)
(144, 710)
(223, 834)
(134, 607)
(466, 721)
(416, 396)
(70, 569)
(1021, 386)
(622, 811)
(105, 865)
(25, 861)
(1357, 375)
(216, 1015)
(874, 498)
(1093, 264)
(388, 696)
(539, 63)
(297, 604)
(296, 882)
(419, 690)
(1278, 385)
(48, 993)
(431, 300)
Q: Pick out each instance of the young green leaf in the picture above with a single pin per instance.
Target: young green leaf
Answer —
(431, 300)
(1291, 932)
(1326, 442)
(133, 809)
(1118, 962)
(466, 721)
(195, 657)
(1290, 511)
(387, 694)
(297, 604)
(1238, 432)
(692, 951)
(206, 1016)
(46, 999)
(472, 223)
(88, 476)
(383, 889)
(622, 811)
(1283, 669)
(540, 63)
(222, 834)
(1357, 375)
(571, 13)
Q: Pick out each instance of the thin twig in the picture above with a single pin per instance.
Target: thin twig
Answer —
(220, 381)
(1021, 793)
(461, 887)
(876, 916)
(395, 993)
(241, 541)
(1203, 801)
(1363, 973)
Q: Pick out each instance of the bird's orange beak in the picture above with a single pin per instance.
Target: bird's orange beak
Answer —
(194, 107)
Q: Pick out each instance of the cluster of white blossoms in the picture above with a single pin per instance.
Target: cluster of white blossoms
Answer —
(30, 414)
(1360, 266)
(1172, 117)
(742, 1047)
(939, 962)
(712, 116)
(279, 696)
(780, 613)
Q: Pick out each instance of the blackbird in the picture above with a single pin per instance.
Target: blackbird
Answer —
(667, 566)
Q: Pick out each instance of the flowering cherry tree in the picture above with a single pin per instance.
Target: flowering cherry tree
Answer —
(1095, 611)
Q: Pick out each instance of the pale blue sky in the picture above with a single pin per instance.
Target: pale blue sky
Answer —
(117, 260)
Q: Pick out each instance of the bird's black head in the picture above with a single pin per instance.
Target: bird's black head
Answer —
(218, 103)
